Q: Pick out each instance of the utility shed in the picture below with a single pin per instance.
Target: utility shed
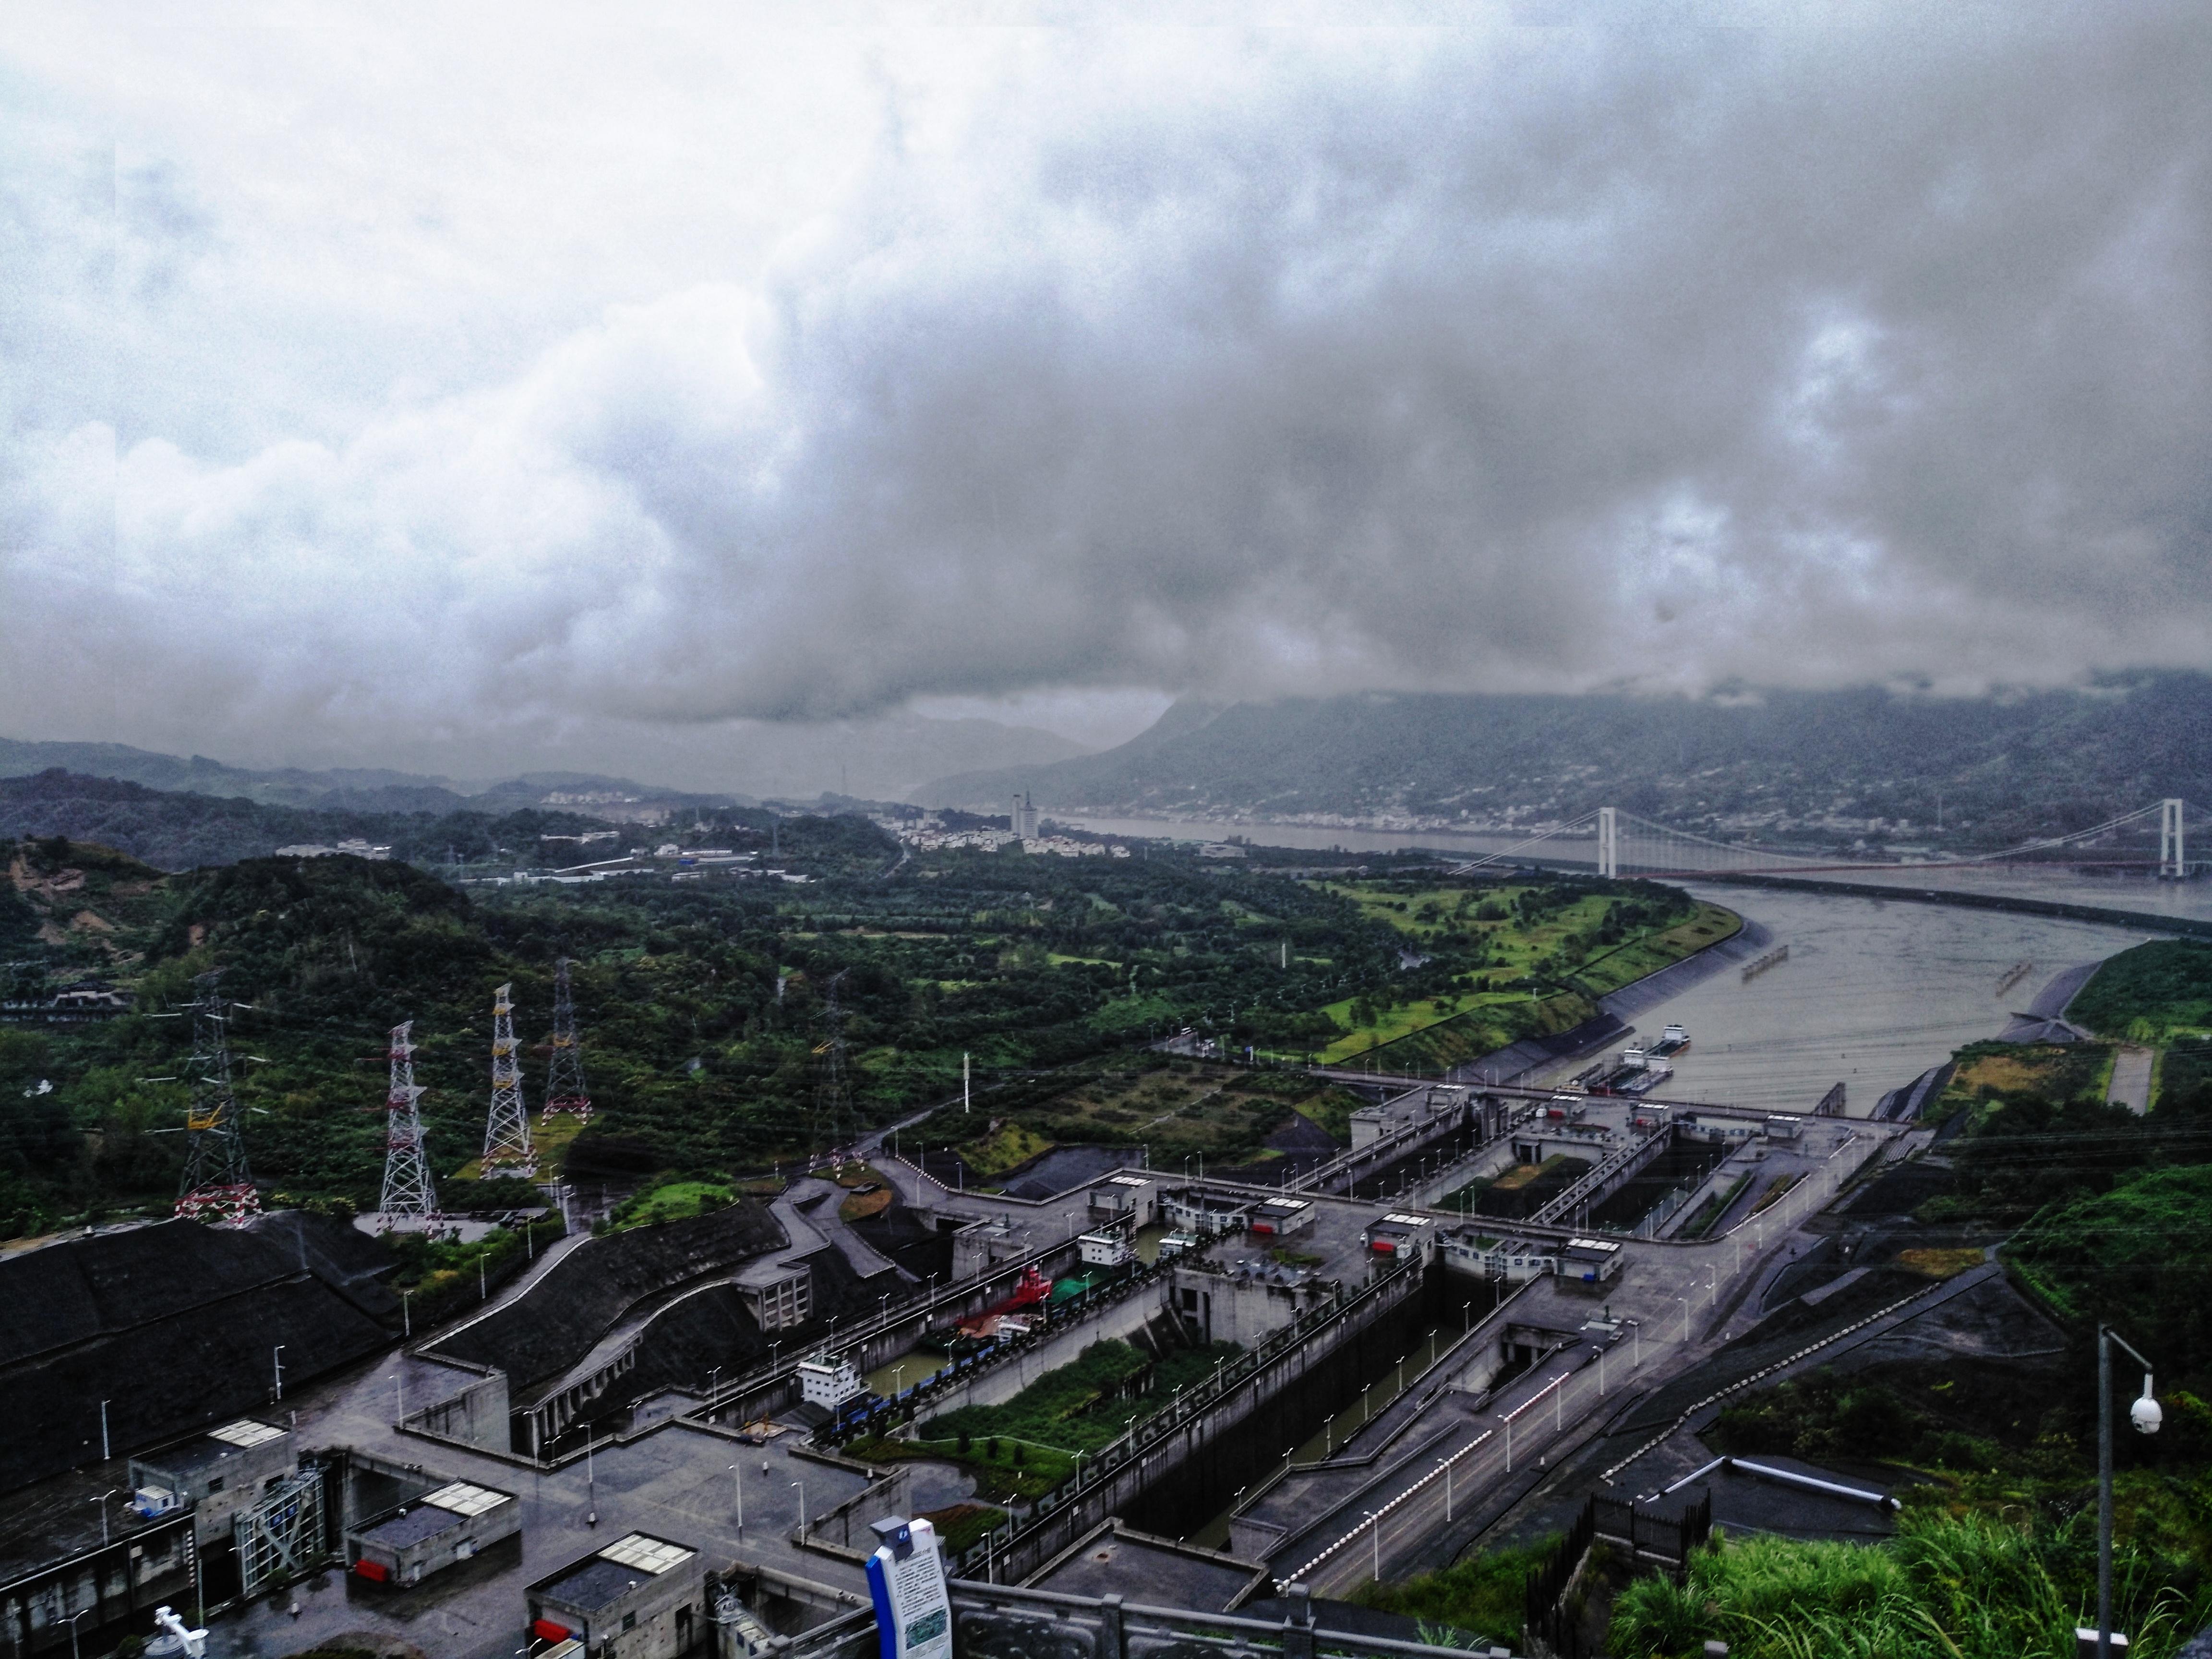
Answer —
(222, 1471)
(1589, 1261)
(438, 1529)
(1279, 1217)
(639, 1598)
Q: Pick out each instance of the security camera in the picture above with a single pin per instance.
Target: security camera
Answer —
(2146, 1415)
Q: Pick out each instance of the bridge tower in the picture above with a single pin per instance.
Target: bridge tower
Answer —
(507, 1130)
(2172, 856)
(407, 1188)
(217, 1185)
(1608, 840)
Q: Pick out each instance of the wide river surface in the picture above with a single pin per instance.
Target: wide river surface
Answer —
(1873, 991)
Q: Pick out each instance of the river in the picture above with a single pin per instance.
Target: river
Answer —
(1873, 991)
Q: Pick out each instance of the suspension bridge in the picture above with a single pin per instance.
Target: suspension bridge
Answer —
(2151, 839)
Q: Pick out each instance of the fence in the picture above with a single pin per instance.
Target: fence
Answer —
(1554, 1614)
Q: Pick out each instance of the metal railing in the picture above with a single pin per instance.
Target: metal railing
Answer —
(993, 1621)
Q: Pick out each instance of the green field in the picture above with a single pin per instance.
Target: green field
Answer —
(1543, 966)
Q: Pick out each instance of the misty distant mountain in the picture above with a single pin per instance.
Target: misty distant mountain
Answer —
(183, 829)
(887, 758)
(368, 789)
(1818, 765)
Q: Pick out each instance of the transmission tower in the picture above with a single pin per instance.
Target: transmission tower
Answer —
(408, 1189)
(833, 1097)
(217, 1185)
(564, 1072)
(507, 1130)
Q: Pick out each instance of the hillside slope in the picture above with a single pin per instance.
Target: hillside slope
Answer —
(1817, 763)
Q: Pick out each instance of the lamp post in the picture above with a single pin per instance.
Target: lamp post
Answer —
(738, 1486)
(1685, 1301)
(2146, 1416)
(801, 1489)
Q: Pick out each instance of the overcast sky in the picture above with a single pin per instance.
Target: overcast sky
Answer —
(437, 384)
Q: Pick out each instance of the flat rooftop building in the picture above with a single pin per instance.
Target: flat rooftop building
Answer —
(454, 1523)
(222, 1472)
(639, 1598)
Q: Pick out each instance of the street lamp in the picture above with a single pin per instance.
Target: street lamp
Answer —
(2146, 1416)
(801, 1491)
(738, 1486)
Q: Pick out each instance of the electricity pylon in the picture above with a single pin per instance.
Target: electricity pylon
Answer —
(217, 1185)
(507, 1130)
(564, 1072)
(408, 1189)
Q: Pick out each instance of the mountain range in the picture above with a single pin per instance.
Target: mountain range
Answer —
(1812, 765)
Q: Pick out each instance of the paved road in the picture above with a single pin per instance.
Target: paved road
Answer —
(2130, 1083)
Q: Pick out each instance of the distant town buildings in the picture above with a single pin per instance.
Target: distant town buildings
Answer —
(930, 835)
(351, 848)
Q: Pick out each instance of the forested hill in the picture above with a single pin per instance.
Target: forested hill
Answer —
(178, 830)
(1817, 763)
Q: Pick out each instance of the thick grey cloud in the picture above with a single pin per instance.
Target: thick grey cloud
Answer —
(371, 378)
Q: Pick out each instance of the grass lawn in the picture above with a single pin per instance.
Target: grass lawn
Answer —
(676, 1201)
(1989, 1071)
(1176, 1108)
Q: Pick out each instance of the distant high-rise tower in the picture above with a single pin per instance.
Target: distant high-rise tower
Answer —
(507, 1130)
(217, 1187)
(1026, 818)
(564, 1072)
(407, 1188)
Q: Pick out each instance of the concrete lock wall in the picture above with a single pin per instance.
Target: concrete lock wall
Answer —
(1002, 1383)
(1164, 1458)
(477, 1415)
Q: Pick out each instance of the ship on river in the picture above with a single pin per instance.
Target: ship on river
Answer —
(1636, 1071)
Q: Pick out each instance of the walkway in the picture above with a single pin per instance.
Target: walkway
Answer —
(2130, 1083)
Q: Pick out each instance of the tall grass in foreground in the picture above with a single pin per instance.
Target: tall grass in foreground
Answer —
(1945, 1587)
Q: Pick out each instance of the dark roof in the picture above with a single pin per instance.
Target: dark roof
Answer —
(411, 1526)
(593, 1584)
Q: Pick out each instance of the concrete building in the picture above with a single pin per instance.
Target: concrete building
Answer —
(639, 1598)
(222, 1472)
(1209, 1215)
(1398, 1237)
(1590, 1263)
(777, 1294)
(1513, 1260)
(1024, 816)
(1131, 1199)
(442, 1528)
(1279, 1218)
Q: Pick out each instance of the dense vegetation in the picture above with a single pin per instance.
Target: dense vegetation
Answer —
(1947, 1586)
(2150, 995)
(710, 1039)
(1826, 765)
